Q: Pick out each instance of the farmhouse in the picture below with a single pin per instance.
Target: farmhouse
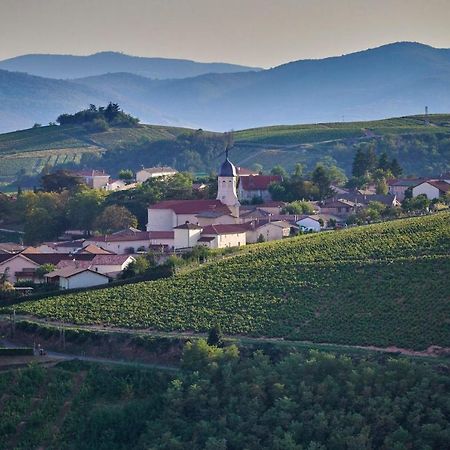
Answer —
(399, 186)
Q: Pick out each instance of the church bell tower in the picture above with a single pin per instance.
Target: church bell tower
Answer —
(226, 189)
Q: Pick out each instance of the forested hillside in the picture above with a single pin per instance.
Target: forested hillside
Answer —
(312, 401)
(384, 284)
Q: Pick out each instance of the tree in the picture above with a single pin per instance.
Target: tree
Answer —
(359, 167)
(321, 179)
(139, 266)
(383, 162)
(114, 218)
(279, 170)
(215, 336)
(298, 171)
(298, 207)
(382, 187)
(84, 207)
(395, 168)
(126, 174)
(60, 180)
(43, 270)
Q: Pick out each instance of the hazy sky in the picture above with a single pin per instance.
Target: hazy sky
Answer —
(252, 32)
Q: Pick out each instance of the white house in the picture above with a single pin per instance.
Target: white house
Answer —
(187, 235)
(309, 223)
(154, 172)
(221, 236)
(96, 179)
(269, 230)
(76, 277)
(431, 188)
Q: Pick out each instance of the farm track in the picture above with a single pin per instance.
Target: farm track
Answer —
(246, 340)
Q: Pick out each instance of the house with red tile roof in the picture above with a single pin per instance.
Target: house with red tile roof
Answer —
(76, 277)
(256, 186)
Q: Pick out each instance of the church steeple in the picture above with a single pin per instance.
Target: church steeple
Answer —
(227, 180)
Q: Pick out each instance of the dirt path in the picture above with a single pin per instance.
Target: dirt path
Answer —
(432, 351)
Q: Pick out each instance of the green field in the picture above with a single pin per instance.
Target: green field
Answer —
(384, 284)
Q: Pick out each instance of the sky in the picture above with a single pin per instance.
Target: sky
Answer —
(259, 33)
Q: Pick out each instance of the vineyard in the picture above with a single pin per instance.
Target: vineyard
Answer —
(383, 284)
(46, 407)
(221, 400)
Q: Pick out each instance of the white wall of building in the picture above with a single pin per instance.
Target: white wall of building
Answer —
(309, 224)
(185, 238)
(162, 220)
(82, 279)
(425, 188)
(270, 232)
(228, 240)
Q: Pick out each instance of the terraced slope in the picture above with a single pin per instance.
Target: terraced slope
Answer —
(384, 284)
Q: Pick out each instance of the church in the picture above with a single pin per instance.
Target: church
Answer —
(169, 214)
(217, 223)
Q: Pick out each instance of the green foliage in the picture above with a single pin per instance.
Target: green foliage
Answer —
(298, 207)
(43, 270)
(126, 174)
(363, 286)
(114, 218)
(99, 118)
(60, 180)
(215, 336)
(222, 400)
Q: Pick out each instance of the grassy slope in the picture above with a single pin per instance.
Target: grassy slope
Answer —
(385, 284)
(286, 145)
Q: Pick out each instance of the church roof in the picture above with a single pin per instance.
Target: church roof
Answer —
(227, 168)
(191, 206)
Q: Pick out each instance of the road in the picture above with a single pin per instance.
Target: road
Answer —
(94, 359)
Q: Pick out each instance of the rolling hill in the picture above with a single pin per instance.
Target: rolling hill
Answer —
(71, 66)
(421, 144)
(384, 284)
(392, 80)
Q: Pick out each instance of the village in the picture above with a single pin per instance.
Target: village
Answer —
(174, 227)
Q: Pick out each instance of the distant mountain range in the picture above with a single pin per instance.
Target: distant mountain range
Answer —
(392, 80)
(70, 66)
